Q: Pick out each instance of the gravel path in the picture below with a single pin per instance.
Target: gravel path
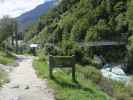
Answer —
(24, 84)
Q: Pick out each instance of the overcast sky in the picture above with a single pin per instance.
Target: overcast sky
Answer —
(15, 8)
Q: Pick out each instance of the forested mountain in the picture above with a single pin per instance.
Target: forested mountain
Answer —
(74, 22)
(30, 17)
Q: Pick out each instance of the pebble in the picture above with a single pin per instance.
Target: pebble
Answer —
(26, 87)
(15, 86)
(15, 98)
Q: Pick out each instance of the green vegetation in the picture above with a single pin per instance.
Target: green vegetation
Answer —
(7, 27)
(6, 58)
(3, 77)
(130, 45)
(65, 89)
(65, 30)
(90, 84)
(81, 21)
(8, 31)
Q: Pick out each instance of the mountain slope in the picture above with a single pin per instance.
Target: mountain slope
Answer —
(75, 21)
(29, 17)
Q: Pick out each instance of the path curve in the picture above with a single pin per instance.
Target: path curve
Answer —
(24, 84)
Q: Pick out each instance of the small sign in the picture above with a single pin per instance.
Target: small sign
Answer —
(33, 45)
(61, 62)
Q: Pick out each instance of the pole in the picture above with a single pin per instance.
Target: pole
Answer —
(16, 38)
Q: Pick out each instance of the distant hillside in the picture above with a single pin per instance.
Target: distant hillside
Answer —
(28, 18)
(81, 21)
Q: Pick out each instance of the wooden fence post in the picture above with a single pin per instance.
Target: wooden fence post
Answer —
(73, 69)
(51, 66)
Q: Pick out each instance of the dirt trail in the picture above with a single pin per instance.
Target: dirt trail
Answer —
(24, 84)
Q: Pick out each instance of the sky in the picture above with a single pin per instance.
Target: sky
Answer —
(15, 8)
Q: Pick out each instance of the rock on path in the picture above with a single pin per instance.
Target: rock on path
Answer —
(24, 84)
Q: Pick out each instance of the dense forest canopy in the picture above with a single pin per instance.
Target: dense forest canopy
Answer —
(82, 21)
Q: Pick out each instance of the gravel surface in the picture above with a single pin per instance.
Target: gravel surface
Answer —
(24, 84)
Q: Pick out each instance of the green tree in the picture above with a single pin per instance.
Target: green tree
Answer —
(130, 44)
(79, 29)
(74, 21)
(7, 28)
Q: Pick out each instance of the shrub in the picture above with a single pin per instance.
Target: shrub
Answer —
(106, 86)
(123, 92)
(41, 55)
(90, 73)
(6, 58)
(51, 49)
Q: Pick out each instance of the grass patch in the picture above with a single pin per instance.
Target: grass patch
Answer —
(90, 86)
(3, 77)
(6, 58)
(66, 89)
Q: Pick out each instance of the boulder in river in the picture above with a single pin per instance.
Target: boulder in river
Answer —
(115, 73)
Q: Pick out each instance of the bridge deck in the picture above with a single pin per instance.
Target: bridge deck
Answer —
(103, 43)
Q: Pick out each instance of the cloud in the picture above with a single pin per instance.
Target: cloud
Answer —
(15, 8)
